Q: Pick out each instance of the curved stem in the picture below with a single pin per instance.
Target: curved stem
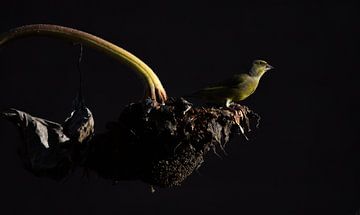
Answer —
(154, 87)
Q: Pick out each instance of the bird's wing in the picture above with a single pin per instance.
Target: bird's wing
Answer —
(232, 82)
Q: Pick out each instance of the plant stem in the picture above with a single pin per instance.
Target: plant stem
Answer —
(154, 88)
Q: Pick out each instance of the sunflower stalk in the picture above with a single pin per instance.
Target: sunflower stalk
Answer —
(154, 88)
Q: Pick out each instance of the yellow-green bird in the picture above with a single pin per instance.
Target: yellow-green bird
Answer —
(235, 89)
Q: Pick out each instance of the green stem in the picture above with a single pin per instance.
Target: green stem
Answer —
(154, 88)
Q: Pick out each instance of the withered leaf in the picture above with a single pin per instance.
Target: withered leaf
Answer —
(45, 149)
(79, 125)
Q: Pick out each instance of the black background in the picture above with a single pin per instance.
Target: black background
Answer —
(305, 157)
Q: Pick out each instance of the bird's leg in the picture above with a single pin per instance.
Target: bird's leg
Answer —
(228, 102)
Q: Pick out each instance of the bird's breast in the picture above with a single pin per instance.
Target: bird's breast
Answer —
(246, 89)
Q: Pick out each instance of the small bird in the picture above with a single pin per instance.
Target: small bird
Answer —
(235, 89)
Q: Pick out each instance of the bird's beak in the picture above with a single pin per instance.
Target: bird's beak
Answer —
(269, 67)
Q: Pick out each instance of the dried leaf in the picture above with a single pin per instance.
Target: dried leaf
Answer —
(45, 150)
(79, 125)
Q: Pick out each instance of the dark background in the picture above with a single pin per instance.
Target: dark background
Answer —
(305, 156)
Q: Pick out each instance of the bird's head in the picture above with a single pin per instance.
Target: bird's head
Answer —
(259, 67)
